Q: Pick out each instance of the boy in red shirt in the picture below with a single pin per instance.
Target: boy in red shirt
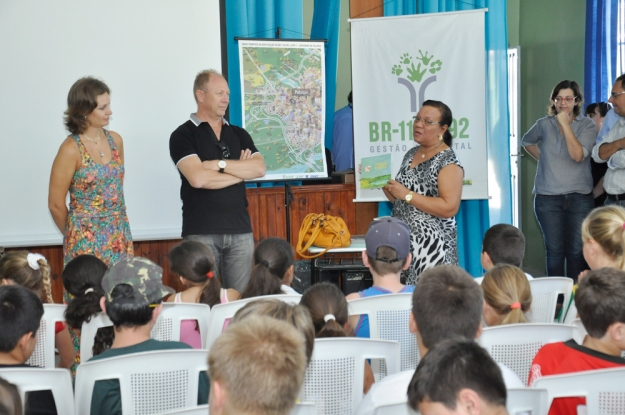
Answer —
(600, 302)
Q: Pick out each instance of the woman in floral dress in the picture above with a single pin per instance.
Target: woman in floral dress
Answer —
(90, 166)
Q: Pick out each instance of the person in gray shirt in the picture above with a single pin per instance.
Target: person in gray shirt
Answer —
(563, 184)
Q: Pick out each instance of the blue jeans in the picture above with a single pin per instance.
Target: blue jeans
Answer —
(560, 218)
(233, 257)
(609, 201)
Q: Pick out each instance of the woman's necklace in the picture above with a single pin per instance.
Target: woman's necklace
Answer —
(424, 153)
(96, 142)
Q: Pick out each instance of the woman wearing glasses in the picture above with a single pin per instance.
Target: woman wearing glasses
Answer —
(563, 184)
(427, 189)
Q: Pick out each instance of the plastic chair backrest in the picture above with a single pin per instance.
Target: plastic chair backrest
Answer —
(545, 293)
(150, 382)
(59, 381)
(581, 330)
(388, 320)
(604, 389)
(516, 345)
(167, 327)
(88, 332)
(304, 408)
(395, 409)
(43, 355)
(197, 410)
(222, 312)
(335, 376)
(523, 401)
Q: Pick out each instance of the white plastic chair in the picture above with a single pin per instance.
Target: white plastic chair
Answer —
(335, 376)
(150, 382)
(604, 389)
(388, 320)
(304, 408)
(516, 345)
(527, 401)
(400, 408)
(167, 327)
(222, 312)
(581, 330)
(59, 381)
(43, 355)
(545, 293)
(197, 410)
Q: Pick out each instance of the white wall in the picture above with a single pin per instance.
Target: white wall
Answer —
(147, 51)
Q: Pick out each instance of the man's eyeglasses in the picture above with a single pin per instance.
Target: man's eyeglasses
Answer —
(417, 119)
(225, 151)
(613, 95)
(568, 100)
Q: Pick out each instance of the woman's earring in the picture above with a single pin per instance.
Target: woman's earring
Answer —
(440, 137)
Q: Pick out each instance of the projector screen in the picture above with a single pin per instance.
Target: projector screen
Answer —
(148, 53)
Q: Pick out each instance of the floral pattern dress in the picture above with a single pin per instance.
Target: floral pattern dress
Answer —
(96, 222)
(434, 240)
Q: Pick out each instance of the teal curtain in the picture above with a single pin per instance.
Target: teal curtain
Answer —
(475, 216)
(400, 7)
(325, 25)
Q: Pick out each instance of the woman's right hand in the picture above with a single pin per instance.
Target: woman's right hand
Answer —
(64, 166)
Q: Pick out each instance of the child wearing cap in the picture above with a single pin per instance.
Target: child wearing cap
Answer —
(133, 295)
(387, 254)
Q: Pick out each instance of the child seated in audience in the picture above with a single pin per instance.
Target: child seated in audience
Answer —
(133, 295)
(273, 269)
(20, 316)
(507, 296)
(33, 272)
(10, 401)
(457, 376)
(294, 314)
(600, 301)
(328, 309)
(82, 279)
(387, 254)
(256, 367)
(502, 244)
(194, 263)
(447, 304)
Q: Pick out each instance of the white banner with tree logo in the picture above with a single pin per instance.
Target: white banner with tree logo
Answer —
(397, 64)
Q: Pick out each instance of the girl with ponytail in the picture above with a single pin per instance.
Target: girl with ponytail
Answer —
(194, 263)
(33, 272)
(328, 309)
(272, 271)
(603, 234)
(82, 279)
(507, 296)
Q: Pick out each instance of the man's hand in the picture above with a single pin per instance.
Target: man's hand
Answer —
(246, 154)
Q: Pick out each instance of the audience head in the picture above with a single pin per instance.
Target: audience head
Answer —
(294, 314)
(578, 101)
(603, 233)
(20, 316)
(503, 244)
(328, 309)
(256, 367)
(446, 118)
(387, 246)
(600, 302)
(82, 99)
(195, 265)
(10, 401)
(597, 112)
(507, 295)
(201, 81)
(133, 290)
(29, 270)
(82, 279)
(447, 303)
(457, 376)
(273, 266)
(618, 102)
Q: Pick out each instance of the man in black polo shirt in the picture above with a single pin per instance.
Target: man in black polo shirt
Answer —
(214, 158)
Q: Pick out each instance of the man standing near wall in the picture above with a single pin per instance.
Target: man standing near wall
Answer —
(343, 137)
(214, 158)
(610, 149)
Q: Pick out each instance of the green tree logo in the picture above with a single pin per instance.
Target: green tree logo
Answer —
(407, 74)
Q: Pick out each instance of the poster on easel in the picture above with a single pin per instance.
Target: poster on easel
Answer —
(283, 96)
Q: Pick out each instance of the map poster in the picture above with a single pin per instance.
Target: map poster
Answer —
(283, 96)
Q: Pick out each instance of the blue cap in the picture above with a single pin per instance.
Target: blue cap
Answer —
(390, 232)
